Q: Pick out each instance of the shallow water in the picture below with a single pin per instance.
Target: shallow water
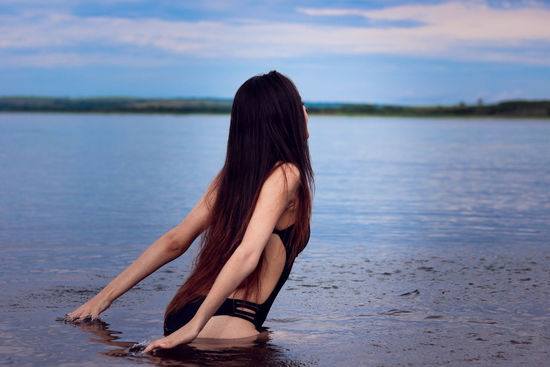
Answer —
(429, 246)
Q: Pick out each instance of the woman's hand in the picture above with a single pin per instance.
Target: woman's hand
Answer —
(90, 309)
(185, 334)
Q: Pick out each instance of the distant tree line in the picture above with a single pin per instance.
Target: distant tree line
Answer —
(503, 109)
(114, 105)
(222, 106)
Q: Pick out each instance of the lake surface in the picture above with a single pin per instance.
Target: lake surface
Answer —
(430, 241)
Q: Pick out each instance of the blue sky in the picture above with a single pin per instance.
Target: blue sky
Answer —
(400, 52)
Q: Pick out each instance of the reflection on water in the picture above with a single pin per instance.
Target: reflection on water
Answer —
(429, 241)
(256, 351)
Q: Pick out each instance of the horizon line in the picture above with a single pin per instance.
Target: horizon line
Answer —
(479, 101)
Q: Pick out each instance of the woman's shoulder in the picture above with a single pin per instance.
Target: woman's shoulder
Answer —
(284, 174)
(288, 170)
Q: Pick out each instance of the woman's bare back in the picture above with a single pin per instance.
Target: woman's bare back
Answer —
(274, 260)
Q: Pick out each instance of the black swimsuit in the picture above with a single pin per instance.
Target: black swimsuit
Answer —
(249, 311)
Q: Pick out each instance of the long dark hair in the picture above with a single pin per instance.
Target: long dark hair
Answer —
(268, 128)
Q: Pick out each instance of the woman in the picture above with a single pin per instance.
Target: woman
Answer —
(254, 218)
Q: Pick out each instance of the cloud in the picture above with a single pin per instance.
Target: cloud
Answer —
(466, 21)
(454, 31)
(71, 59)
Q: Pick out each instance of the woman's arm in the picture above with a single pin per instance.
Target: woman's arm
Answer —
(167, 248)
(276, 193)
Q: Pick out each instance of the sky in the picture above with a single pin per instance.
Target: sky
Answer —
(381, 51)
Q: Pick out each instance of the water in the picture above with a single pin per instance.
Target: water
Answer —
(429, 246)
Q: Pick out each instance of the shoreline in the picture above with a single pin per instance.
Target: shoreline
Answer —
(443, 117)
(358, 115)
(539, 109)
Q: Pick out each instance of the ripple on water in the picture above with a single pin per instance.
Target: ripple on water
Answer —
(429, 241)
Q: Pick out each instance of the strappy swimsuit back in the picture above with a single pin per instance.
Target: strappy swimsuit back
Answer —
(249, 311)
